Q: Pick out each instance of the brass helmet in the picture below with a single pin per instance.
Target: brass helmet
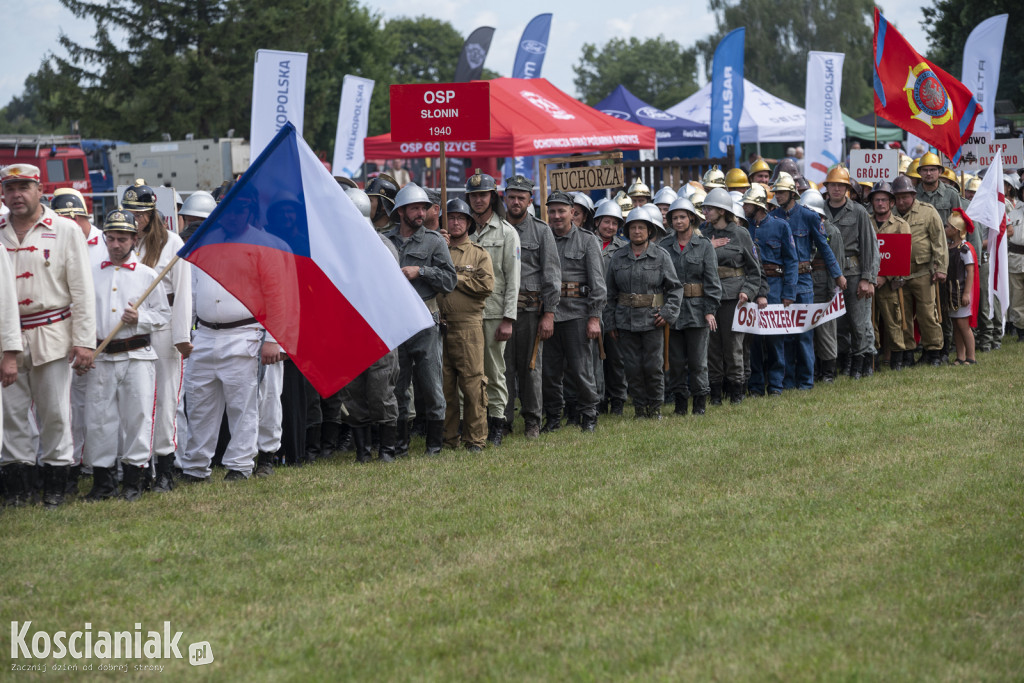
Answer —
(639, 189)
(736, 179)
(905, 162)
(973, 183)
(838, 174)
(912, 169)
(698, 198)
(121, 220)
(139, 197)
(961, 222)
(948, 174)
(624, 202)
(756, 196)
(760, 165)
(784, 183)
(68, 202)
(713, 178)
(929, 159)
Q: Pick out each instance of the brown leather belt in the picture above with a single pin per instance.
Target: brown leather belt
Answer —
(726, 271)
(641, 300)
(227, 326)
(818, 264)
(1014, 248)
(773, 270)
(139, 341)
(693, 289)
(804, 268)
(574, 290)
(528, 300)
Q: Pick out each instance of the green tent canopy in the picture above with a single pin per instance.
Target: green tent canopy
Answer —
(856, 129)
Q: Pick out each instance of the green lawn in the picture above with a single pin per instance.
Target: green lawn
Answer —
(868, 530)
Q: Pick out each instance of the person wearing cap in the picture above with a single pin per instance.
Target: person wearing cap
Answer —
(639, 193)
(891, 305)
(426, 263)
(462, 310)
(808, 233)
(856, 338)
(120, 401)
(1015, 253)
(825, 347)
(370, 398)
(775, 247)
(612, 384)
(57, 310)
(540, 279)
(740, 274)
(644, 296)
(501, 240)
(697, 270)
(929, 258)
(433, 219)
(567, 353)
(157, 247)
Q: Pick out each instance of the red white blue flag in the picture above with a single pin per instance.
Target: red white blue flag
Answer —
(918, 96)
(290, 245)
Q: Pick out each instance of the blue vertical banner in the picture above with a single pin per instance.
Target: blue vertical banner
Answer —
(529, 60)
(727, 95)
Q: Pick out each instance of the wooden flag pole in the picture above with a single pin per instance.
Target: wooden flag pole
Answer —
(152, 286)
(443, 170)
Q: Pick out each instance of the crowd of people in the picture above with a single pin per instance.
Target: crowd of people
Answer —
(556, 322)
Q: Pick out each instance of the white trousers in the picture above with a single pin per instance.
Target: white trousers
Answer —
(169, 373)
(78, 386)
(181, 420)
(222, 375)
(41, 394)
(269, 439)
(120, 402)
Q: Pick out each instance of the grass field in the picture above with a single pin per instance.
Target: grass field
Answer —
(868, 530)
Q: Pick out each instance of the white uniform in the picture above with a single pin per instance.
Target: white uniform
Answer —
(176, 289)
(120, 395)
(10, 323)
(1015, 269)
(97, 254)
(52, 274)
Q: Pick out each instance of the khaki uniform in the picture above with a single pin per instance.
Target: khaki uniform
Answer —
(944, 199)
(462, 309)
(52, 275)
(928, 255)
(891, 314)
(1015, 262)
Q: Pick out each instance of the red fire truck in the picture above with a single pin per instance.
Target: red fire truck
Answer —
(60, 159)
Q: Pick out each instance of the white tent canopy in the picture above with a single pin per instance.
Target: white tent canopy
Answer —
(765, 118)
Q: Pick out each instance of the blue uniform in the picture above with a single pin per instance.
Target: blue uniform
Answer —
(808, 230)
(774, 242)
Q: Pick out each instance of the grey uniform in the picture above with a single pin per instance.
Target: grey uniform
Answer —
(567, 354)
(540, 278)
(860, 246)
(697, 270)
(421, 353)
(610, 372)
(739, 271)
(825, 347)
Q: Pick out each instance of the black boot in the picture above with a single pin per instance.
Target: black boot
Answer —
(435, 437)
(856, 363)
(497, 430)
(313, 442)
(639, 412)
(908, 359)
(419, 426)
(844, 362)
(828, 371)
(935, 357)
(716, 394)
(131, 482)
(552, 423)
(361, 443)
(264, 464)
(73, 475)
(617, 405)
(700, 404)
(572, 414)
(896, 360)
(654, 412)
(55, 481)
(588, 423)
(104, 484)
(401, 438)
(682, 403)
(388, 434)
(164, 473)
(867, 368)
(17, 492)
(532, 428)
(736, 391)
(330, 433)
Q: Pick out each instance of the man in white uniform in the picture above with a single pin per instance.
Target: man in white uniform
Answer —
(51, 267)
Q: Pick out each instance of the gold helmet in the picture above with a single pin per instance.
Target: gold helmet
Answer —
(757, 196)
(948, 174)
(639, 189)
(784, 183)
(624, 202)
(905, 162)
(973, 183)
(960, 222)
(713, 178)
(760, 165)
(929, 159)
(698, 198)
(912, 169)
(736, 179)
(838, 174)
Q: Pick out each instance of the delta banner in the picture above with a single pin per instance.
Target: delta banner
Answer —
(983, 54)
(918, 96)
(474, 52)
(353, 119)
(792, 319)
(823, 140)
(529, 60)
(278, 96)
(727, 95)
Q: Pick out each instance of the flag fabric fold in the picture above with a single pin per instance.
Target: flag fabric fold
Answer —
(289, 244)
(989, 209)
(917, 95)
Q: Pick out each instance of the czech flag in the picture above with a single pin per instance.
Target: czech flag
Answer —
(918, 96)
(288, 243)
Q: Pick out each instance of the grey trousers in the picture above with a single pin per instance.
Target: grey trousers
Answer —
(370, 397)
(520, 380)
(725, 347)
(688, 361)
(614, 370)
(825, 342)
(567, 356)
(421, 355)
(854, 332)
(643, 354)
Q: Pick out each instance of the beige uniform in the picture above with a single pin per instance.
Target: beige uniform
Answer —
(52, 277)
(928, 255)
(10, 324)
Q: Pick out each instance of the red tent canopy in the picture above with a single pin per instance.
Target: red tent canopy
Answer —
(529, 117)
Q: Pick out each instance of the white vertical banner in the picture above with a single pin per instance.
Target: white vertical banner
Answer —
(823, 139)
(278, 96)
(353, 118)
(916, 144)
(983, 53)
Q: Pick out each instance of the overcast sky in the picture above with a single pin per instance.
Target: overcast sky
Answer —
(31, 32)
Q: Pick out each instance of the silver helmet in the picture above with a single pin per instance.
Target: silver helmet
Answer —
(655, 213)
(361, 201)
(719, 198)
(607, 207)
(200, 204)
(410, 194)
(812, 199)
(684, 204)
(639, 214)
(583, 200)
(665, 195)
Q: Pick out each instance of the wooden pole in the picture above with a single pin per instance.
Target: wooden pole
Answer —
(152, 286)
(443, 170)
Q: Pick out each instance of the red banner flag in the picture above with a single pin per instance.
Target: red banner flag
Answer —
(918, 96)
